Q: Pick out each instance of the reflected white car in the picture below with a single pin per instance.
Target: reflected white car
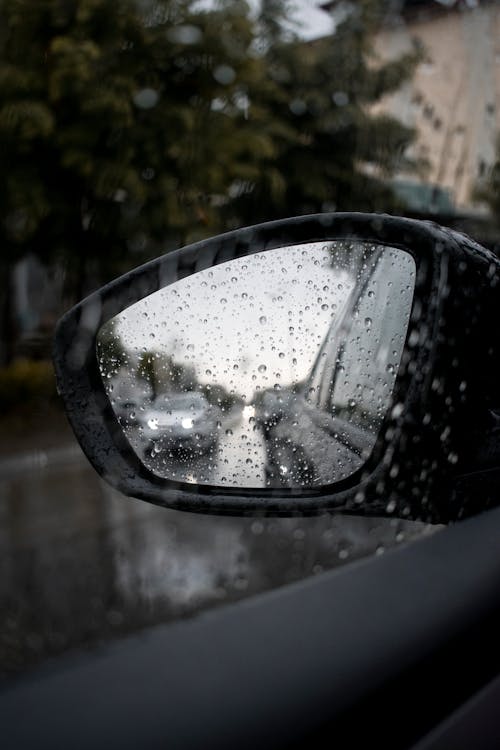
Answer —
(180, 423)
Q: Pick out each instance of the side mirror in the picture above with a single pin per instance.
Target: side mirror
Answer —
(334, 362)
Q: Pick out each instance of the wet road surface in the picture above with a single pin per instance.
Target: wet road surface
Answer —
(81, 564)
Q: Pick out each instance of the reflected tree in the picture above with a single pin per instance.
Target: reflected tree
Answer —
(111, 350)
(165, 375)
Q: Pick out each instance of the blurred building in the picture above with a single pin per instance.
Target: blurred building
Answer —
(453, 100)
(37, 293)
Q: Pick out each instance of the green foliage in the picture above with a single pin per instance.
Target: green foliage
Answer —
(330, 150)
(129, 128)
(107, 126)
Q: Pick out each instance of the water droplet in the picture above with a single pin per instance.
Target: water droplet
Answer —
(340, 98)
(262, 319)
(262, 368)
(391, 506)
(146, 98)
(224, 74)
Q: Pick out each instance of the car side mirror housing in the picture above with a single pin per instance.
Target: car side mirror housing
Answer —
(337, 362)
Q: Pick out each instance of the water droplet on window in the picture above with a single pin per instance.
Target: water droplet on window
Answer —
(224, 74)
(184, 34)
(146, 98)
(340, 98)
(297, 107)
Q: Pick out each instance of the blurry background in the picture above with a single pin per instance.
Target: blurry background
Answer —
(129, 129)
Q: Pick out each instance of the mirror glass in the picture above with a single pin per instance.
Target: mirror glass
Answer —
(272, 370)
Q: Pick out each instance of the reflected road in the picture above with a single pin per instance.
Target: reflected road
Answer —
(237, 456)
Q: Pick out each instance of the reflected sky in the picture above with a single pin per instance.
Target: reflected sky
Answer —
(245, 324)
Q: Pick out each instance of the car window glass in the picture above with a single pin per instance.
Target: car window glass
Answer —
(129, 129)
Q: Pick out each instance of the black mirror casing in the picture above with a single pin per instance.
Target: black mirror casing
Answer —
(437, 457)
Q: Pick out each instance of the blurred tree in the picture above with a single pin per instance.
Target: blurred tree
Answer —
(274, 22)
(114, 124)
(121, 126)
(488, 187)
(332, 151)
(130, 128)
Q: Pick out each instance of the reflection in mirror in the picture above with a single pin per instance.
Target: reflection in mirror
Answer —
(272, 370)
